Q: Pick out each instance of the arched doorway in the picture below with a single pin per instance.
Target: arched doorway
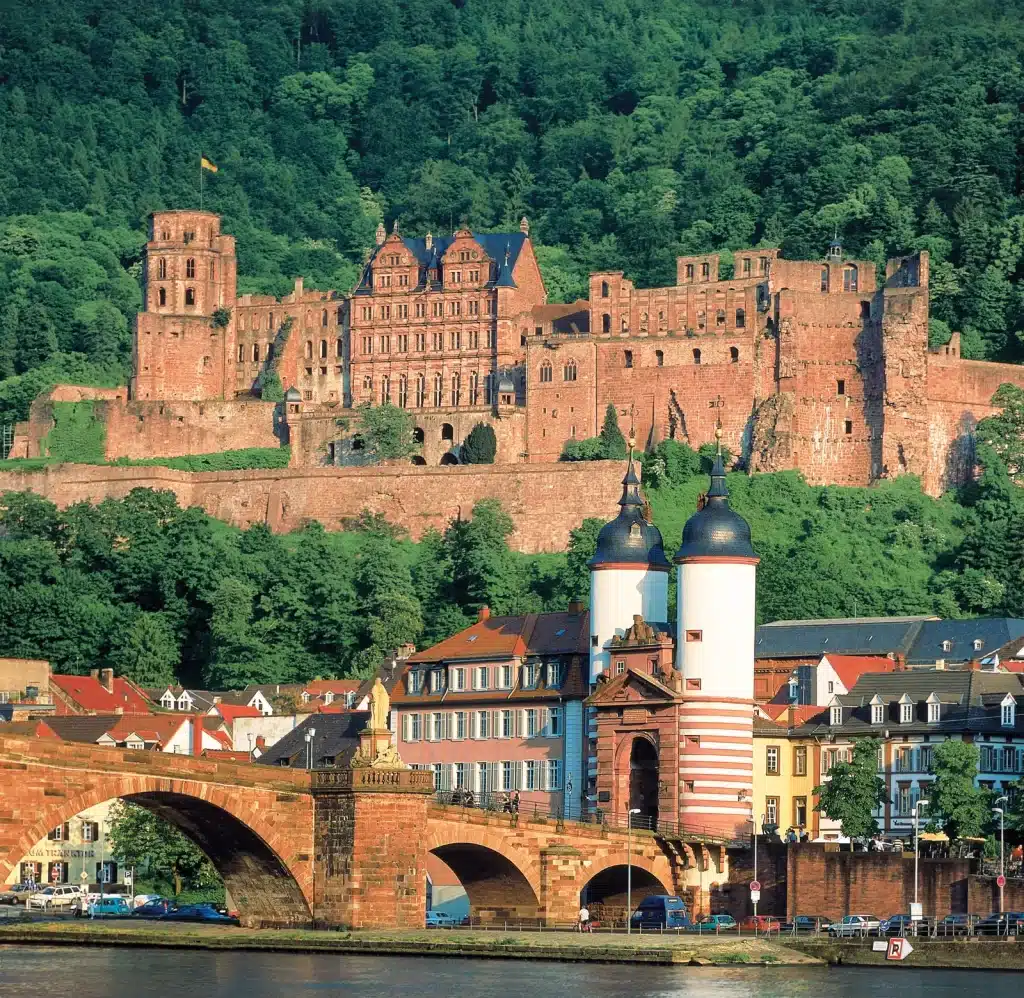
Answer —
(449, 458)
(418, 459)
(643, 782)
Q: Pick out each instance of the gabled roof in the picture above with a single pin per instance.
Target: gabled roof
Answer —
(317, 687)
(848, 636)
(88, 693)
(230, 711)
(156, 729)
(608, 692)
(991, 632)
(849, 668)
(82, 727)
(337, 737)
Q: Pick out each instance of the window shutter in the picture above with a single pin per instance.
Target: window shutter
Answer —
(448, 726)
(405, 727)
(520, 723)
(67, 831)
(493, 775)
(495, 723)
(95, 831)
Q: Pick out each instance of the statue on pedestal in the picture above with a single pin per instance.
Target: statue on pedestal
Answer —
(380, 704)
(376, 750)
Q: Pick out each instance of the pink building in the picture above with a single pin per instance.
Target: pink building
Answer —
(499, 707)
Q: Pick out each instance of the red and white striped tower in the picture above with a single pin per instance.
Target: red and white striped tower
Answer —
(715, 654)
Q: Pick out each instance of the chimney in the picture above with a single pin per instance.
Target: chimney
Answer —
(576, 606)
(524, 226)
(484, 613)
(298, 288)
(94, 674)
(261, 742)
(107, 679)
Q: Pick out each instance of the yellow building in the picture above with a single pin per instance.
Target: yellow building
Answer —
(78, 846)
(785, 775)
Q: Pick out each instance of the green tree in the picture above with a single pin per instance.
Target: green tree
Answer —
(271, 389)
(480, 446)
(854, 791)
(386, 431)
(956, 801)
(146, 650)
(613, 443)
(158, 850)
(575, 581)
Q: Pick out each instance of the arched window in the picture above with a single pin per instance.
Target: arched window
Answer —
(438, 390)
(309, 318)
(569, 371)
(368, 384)
(447, 431)
(341, 310)
(418, 459)
(545, 371)
(456, 389)
(309, 349)
(720, 317)
(241, 353)
(161, 270)
(323, 317)
(734, 355)
(403, 392)
(741, 318)
(474, 388)
(606, 323)
(824, 278)
(190, 296)
(385, 390)
(255, 322)
(417, 435)
(213, 270)
(162, 296)
(323, 349)
(659, 356)
(190, 267)
(696, 356)
(850, 277)
(421, 394)
(604, 289)
(256, 352)
(339, 350)
(270, 321)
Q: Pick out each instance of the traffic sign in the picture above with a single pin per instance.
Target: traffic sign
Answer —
(129, 878)
(899, 949)
(916, 911)
(755, 896)
(755, 885)
(1000, 881)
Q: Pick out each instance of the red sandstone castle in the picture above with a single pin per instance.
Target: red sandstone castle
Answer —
(820, 366)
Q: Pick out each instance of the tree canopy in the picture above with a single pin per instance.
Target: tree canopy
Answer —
(854, 791)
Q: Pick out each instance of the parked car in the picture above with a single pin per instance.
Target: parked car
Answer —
(61, 897)
(807, 923)
(897, 925)
(109, 907)
(208, 913)
(157, 907)
(855, 925)
(439, 920)
(760, 923)
(140, 899)
(1001, 923)
(955, 925)
(713, 923)
(661, 911)
(16, 893)
(82, 903)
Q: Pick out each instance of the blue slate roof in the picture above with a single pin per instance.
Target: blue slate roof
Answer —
(629, 539)
(716, 530)
(992, 632)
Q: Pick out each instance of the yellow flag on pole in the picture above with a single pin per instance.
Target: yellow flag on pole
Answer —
(207, 165)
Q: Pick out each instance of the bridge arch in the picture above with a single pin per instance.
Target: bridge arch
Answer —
(251, 843)
(605, 893)
(501, 882)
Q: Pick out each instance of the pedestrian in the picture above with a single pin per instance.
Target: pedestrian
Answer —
(583, 925)
(515, 801)
(506, 803)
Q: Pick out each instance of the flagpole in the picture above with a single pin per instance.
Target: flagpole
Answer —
(200, 183)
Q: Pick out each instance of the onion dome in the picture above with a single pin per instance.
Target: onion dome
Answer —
(715, 530)
(629, 540)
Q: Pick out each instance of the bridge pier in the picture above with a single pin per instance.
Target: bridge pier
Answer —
(562, 878)
(369, 848)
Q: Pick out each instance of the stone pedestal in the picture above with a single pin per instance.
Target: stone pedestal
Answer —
(369, 858)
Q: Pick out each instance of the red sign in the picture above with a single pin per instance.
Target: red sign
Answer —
(755, 885)
(1000, 881)
(899, 949)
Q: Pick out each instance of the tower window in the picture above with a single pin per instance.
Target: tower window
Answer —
(190, 296)
(545, 371)
(659, 356)
(161, 270)
(824, 279)
(604, 289)
(190, 268)
(569, 371)
(841, 387)
(849, 427)
(694, 636)
(629, 358)
(734, 355)
(606, 323)
(696, 356)
(162, 296)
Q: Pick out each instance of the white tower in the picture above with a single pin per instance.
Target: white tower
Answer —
(715, 654)
(628, 575)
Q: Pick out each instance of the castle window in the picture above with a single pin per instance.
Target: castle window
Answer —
(604, 289)
(270, 321)
(545, 372)
(339, 350)
(213, 271)
(762, 265)
(241, 353)
(255, 322)
(323, 349)
(367, 383)
(696, 356)
(606, 323)
(456, 389)
(741, 317)
(255, 352)
(438, 389)
(161, 270)
(824, 279)
(447, 432)
(455, 340)
(850, 277)
(190, 267)
(309, 349)
(474, 388)
(162, 296)
(187, 237)
(865, 310)
(385, 390)
(569, 371)
(734, 355)
(689, 271)
(323, 317)
(367, 345)
(705, 271)
(746, 266)
(659, 356)
(720, 317)
(840, 387)
(849, 427)
(629, 358)
(190, 296)
(341, 310)
(403, 392)
(421, 394)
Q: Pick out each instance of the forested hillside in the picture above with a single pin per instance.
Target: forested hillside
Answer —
(627, 131)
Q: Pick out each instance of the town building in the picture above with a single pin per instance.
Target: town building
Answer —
(101, 692)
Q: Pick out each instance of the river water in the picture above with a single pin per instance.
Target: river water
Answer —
(44, 972)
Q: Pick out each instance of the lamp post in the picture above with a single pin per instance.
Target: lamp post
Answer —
(629, 868)
(1002, 844)
(309, 747)
(917, 824)
(753, 821)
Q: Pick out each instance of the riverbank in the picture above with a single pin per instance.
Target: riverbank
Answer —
(946, 954)
(554, 945)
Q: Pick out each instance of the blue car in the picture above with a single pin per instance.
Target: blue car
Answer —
(157, 908)
(661, 911)
(110, 908)
(206, 913)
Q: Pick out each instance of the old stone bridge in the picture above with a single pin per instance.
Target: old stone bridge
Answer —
(343, 847)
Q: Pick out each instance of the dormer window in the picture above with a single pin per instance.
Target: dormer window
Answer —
(305, 696)
(167, 700)
(906, 709)
(877, 713)
(328, 697)
(555, 675)
(933, 709)
(978, 644)
(184, 702)
(1008, 711)
(947, 645)
(457, 680)
(436, 680)
(414, 682)
(835, 714)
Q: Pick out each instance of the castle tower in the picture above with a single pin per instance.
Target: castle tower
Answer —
(189, 272)
(628, 574)
(715, 654)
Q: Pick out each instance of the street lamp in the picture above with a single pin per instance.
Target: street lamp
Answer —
(1002, 844)
(753, 820)
(629, 868)
(917, 824)
(309, 747)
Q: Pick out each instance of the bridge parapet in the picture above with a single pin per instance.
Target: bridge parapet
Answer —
(369, 780)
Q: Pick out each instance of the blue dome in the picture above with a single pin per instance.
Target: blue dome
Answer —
(716, 531)
(629, 539)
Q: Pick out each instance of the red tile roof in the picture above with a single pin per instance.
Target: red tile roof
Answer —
(90, 695)
(157, 728)
(802, 713)
(230, 711)
(510, 637)
(318, 687)
(849, 668)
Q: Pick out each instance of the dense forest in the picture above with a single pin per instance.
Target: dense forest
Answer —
(628, 131)
(159, 592)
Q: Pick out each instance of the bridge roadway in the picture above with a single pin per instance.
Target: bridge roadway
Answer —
(343, 847)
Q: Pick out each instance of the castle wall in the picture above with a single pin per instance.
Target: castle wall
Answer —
(544, 501)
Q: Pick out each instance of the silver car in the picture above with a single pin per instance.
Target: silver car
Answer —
(855, 925)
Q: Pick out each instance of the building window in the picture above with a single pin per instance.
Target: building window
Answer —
(190, 268)
(438, 390)
(933, 712)
(720, 317)
(694, 636)
(456, 389)
(385, 390)
(620, 667)
(606, 323)
(906, 713)
(604, 289)
(554, 725)
(628, 356)
(507, 728)
(530, 774)
(162, 296)
(841, 387)
(850, 277)
(877, 713)
(555, 675)
(59, 834)
(323, 349)
(530, 722)
(474, 388)
(569, 371)
(554, 774)
(436, 727)
(505, 674)
(771, 811)
(255, 352)
(800, 760)
(836, 715)
(545, 372)
(481, 724)
(459, 727)
(481, 678)
(403, 392)
(824, 279)
(161, 270)
(437, 680)
(734, 355)
(1008, 712)
(705, 271)
(190, 296)
(458, 776)
(799, 811)
(696, 356)
(848, 427)
(771, 760)
(421, 391)
(414, 682)
(741, 316)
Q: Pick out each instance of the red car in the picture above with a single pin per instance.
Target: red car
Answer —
(760, 923)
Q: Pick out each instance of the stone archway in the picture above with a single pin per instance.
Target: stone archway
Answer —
(643, 782)
(610, 896)
(497, 889)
